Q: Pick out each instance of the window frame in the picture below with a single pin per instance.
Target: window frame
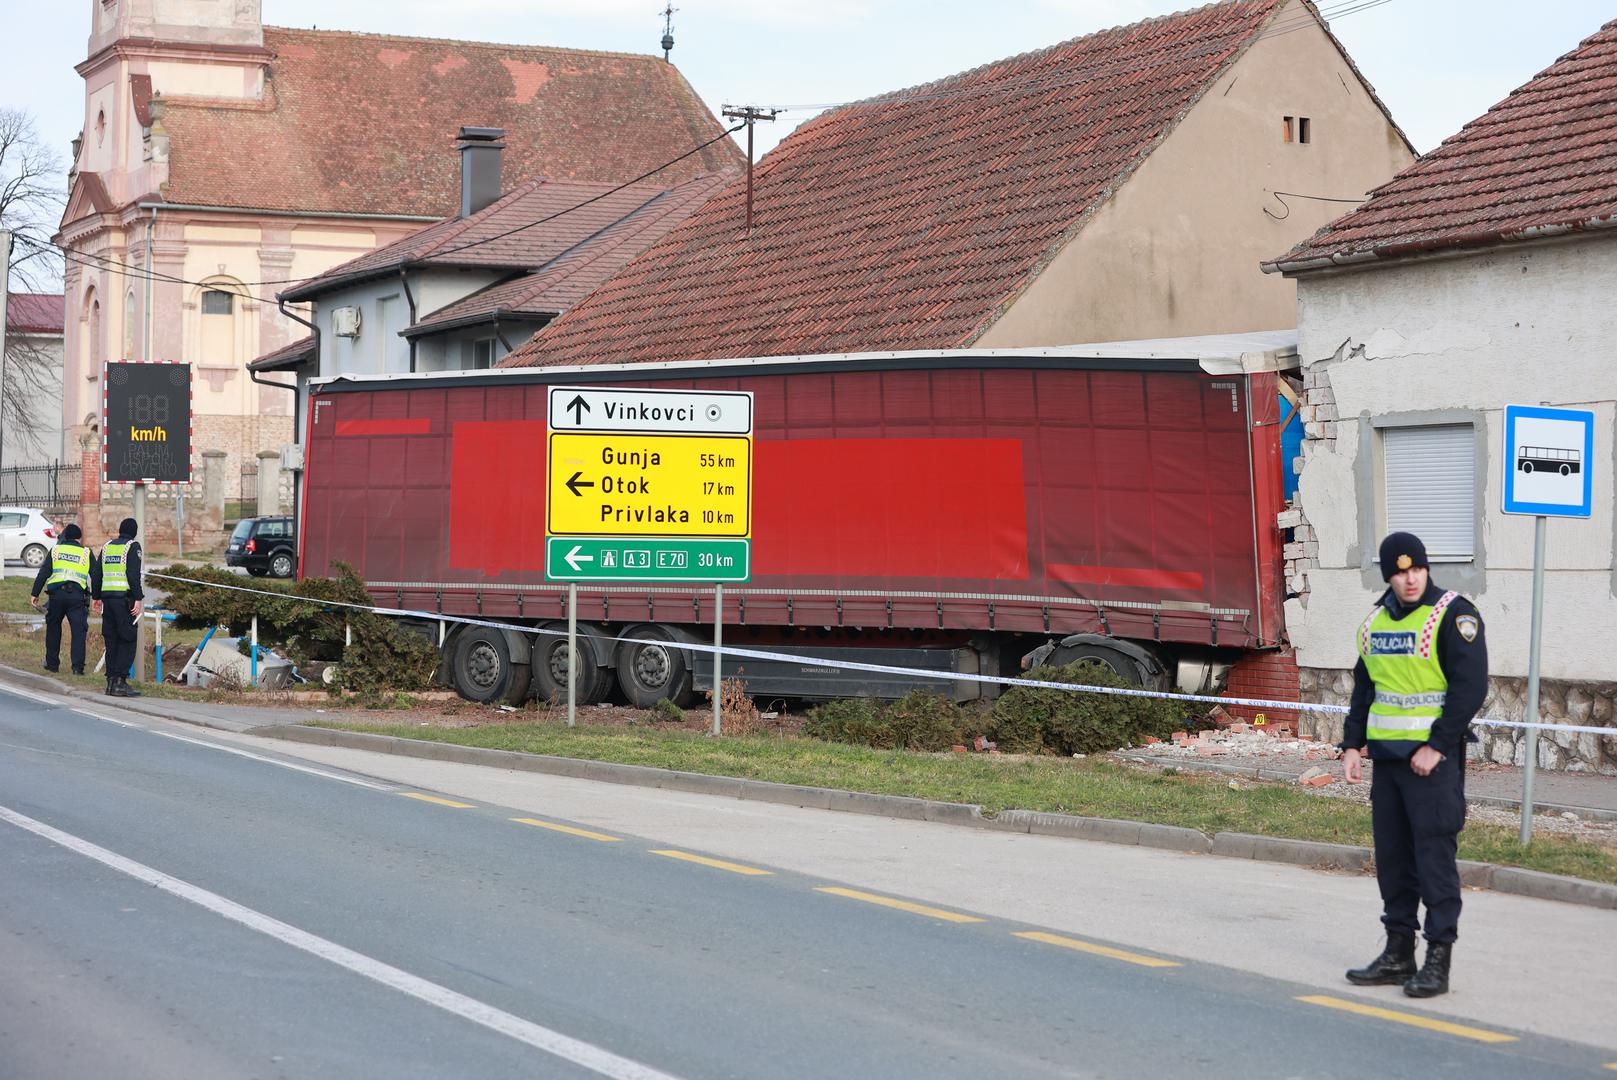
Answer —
(1466, 575)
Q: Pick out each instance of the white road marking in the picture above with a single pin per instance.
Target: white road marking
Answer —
(586, 1055)
(272, 761)
(202, 742)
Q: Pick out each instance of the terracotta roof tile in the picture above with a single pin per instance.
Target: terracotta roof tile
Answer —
(287, 356)
(1545, 158)
(912, 220)
(526, 228)
(561, 281)
(365, 123)
(34, 313)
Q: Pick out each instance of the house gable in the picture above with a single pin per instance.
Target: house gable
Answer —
(1176, 250)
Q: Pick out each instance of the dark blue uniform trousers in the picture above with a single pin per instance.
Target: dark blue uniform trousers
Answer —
(70, 603)
(1417, 822)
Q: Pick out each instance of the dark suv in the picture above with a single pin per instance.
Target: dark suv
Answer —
(267, 545)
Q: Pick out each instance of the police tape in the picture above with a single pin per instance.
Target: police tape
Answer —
(880, 669)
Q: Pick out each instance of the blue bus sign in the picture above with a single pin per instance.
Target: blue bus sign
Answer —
(1549, 458)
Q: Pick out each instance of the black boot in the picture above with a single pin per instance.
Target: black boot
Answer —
(112, 686)
(1433, 977)
(1395, 964)
(128, 691)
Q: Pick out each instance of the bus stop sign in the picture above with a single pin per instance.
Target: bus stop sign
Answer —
(1549, 457)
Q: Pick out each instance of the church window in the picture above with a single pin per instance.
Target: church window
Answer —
(129, 325)
(215, 302)
(101, 127)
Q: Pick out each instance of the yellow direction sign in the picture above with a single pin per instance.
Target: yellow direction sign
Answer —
(627, 484)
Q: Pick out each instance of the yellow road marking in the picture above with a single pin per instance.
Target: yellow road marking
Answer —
(568, 829)
(1098, 950)
(717, 864)
(902, 905)
(1612, 1066)
(1411, 1019)
(436, 799)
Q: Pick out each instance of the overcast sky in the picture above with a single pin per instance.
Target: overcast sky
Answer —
(1436, 63)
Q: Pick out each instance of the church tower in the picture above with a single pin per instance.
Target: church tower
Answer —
(200, 22)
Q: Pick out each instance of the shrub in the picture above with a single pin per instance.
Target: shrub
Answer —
(853, 720)
(384, 656)
(737, 714)
(923, 720)
(1028, 719)
(667, 712)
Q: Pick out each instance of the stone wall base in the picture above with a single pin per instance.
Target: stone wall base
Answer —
(1582, 703)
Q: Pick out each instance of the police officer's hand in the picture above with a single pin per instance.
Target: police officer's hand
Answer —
(1424, 761)
(33, 601)
(1352, 770)
(95, 606)
(135, 609)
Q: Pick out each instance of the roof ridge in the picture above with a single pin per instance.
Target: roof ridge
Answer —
(936, 85)
(373, 35)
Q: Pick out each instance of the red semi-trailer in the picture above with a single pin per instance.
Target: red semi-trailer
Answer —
(952, 511)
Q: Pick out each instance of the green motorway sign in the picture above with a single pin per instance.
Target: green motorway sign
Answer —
(620, 558)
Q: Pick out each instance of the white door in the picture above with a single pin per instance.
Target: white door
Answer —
(11, 534)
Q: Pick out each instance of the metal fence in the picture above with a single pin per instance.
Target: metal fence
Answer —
(53, 488)
(246, 504)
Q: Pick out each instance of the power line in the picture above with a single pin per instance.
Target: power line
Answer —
(108, 264)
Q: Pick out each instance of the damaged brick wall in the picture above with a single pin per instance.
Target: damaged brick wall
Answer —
(1271, 675)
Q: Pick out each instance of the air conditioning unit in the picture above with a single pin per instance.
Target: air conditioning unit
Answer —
(292, 457)
(345, 321)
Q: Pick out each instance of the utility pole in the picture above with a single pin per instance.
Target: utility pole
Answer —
(751, 114)
(5, 314)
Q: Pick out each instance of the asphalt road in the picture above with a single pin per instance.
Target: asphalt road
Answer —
(175, 905)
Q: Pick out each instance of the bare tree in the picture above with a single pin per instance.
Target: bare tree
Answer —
(31, 202)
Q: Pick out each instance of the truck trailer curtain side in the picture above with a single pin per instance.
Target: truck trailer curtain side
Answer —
(1014, 498)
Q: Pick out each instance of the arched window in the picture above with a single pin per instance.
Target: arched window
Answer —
(92, 340)
(129, 325)
(221, 312)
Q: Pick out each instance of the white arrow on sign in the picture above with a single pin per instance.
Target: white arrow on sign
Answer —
(573, 558)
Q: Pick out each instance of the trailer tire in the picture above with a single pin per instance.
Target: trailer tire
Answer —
(483, 669)
(651, 668)
(550, 668)
(1129, 668)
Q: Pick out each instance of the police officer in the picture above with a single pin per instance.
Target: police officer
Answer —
(65, 579)
(1421, 677)
(118, 597)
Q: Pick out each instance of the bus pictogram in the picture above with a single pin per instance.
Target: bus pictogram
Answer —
(1532, 459)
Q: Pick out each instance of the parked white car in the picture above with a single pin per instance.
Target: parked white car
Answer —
(25, 534)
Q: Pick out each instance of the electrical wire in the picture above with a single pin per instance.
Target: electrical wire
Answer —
(108, 264)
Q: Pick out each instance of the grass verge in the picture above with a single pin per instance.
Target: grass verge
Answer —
(1089, 787)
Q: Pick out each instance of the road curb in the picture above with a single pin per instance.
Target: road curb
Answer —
(152, 707)
(1345, 857)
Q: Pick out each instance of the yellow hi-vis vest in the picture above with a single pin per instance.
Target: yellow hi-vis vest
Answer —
(70, 563)
(115, 567)
(1401, 657)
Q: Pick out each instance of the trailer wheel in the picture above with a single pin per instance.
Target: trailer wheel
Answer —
(483, 670)
(1112, 658)
(550, 668)
(650, 668)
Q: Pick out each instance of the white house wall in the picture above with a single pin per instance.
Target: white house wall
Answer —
(1458, 339)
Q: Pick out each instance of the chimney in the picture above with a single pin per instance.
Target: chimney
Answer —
(480, 150)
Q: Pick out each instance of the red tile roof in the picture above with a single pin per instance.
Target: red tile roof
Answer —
(365, 123)
(528, 227)
(34, 313)
(286, 357)
(913, 220)
(561, 281)
(1543, 161)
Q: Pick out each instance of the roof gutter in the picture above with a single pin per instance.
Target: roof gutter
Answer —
(1455, 247)
(430, 327)
(346, 215)
(313, 329)
(409, 298)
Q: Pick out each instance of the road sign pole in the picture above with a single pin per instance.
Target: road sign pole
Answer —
(718, 651)
(572, 652)
(1530, 761)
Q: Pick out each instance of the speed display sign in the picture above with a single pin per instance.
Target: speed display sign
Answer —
(146, 423)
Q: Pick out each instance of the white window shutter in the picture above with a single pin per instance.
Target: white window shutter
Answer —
(1431, 487)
